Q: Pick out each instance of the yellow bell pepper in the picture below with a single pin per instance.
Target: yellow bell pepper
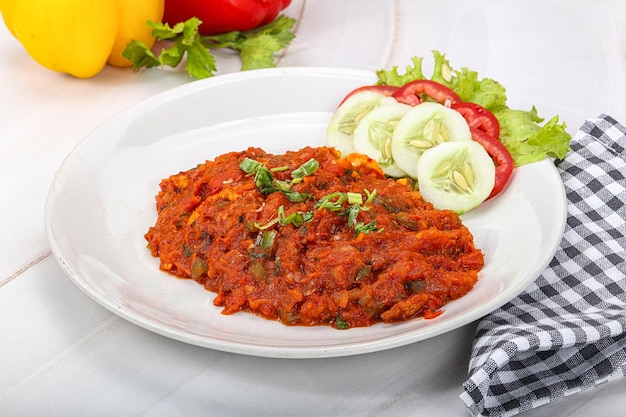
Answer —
(80, 37)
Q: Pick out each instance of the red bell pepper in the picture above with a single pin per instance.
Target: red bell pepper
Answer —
(411, 93)
(220, 16)
(478, 117)
(500, 155)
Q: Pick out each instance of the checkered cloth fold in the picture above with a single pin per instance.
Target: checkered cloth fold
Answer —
(567, 331)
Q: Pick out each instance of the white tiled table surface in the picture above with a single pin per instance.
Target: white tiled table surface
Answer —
(61, 354)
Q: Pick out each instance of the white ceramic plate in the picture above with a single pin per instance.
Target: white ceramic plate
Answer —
(101, 203)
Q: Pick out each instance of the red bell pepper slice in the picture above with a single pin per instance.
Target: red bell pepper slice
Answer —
(411, 93)
(500, 155)
(387, 90)
(478, 117)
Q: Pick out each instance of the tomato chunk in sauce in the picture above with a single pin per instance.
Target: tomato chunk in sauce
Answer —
(381, 255)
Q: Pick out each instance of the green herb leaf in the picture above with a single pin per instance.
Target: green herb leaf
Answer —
(297, 218)
(267, 225)
(353, 212)
(250, 166)
(370, 227)
(186, 42)
(520, 131)
(297, 197)
(370, 197)
(282, 186)
(334, 202)
(257, 52)
(263, 177)
(200, 62)
(163, 31)
(306, 169)
(256, 47)
(267, 184)
(341, 323)
(354, 198)
(327, 202)
(140, 55)
(265, 181)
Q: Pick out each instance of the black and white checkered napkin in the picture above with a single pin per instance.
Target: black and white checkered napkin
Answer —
(567, 331)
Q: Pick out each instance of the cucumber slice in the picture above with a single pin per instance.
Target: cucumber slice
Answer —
(424, 126)
(456, 176)
(342, 123)
(372, 136)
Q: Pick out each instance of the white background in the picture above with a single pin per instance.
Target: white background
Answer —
(62, 354)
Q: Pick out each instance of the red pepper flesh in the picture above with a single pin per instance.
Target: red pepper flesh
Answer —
(478, 117)
(500, 155)
(220, 16)
(411, 92)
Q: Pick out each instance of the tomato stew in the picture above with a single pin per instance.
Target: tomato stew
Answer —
(341, 245)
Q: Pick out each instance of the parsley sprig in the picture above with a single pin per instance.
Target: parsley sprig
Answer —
(256, 47)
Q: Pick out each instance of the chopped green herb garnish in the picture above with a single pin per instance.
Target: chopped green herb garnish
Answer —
(341, 323)
(370, 196)
(297, 218)
(327, 202)
(306, 169)
(366, 228)
(353, 212)
(263, 177)
(296, 197)
(267, 184)
(250, 166)
(355, 198)
(334, 202)
(267, 225)
(282, 186)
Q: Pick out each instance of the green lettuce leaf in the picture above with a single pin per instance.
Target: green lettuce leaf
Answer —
(393, 76)
(520, 131)
(527, 140)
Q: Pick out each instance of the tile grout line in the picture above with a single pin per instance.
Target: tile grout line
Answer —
(26, 267)
(49, 365)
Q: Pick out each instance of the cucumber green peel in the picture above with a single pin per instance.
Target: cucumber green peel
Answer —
(520, 131)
